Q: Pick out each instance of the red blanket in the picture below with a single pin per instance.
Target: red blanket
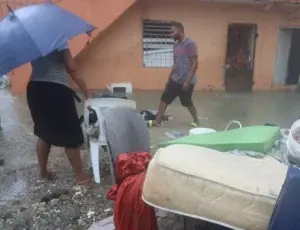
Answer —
(130, 211)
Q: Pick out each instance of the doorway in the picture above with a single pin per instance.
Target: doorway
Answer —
(239, 63)
(287, 68)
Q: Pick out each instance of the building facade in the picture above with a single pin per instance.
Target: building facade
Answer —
(133, 43)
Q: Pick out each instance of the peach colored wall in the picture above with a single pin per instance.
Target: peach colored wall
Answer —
(117, 55)
(104, 12)
(100, 13)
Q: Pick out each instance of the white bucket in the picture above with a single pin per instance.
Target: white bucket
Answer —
(197, 131)
(292, 144)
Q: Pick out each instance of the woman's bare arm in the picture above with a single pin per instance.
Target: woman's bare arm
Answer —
(71, 68)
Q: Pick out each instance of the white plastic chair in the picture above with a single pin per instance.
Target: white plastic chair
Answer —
(99, 105)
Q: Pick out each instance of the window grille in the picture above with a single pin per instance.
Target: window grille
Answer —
(157, 44)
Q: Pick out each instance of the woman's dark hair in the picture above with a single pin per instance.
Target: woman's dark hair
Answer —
(178, 25)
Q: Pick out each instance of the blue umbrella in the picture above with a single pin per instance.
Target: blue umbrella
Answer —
(34, 31)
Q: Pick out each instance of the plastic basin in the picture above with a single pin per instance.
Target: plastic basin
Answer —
(197, 131)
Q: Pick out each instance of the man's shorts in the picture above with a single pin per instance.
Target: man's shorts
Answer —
(174, 89)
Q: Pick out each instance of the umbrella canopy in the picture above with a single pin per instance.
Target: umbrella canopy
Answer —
(34, 31)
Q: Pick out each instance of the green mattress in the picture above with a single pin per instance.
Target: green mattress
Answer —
(252, 138)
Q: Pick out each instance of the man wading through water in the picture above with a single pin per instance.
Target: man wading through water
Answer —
(182, 78)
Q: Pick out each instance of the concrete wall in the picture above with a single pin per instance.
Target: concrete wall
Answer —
(117, 55)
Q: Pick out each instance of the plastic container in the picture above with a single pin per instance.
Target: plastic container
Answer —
(293, 141)
(233, 122)
(284, 134)
(197, 131)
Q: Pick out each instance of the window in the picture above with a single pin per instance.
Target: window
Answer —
(157, 44)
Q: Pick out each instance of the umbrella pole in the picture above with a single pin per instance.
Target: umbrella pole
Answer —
(10, 9)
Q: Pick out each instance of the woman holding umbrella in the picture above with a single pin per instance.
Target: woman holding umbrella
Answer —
(52, 106)
(39, 34)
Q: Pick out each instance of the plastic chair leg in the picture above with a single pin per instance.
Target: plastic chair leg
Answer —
(94, 152)
(112, 165)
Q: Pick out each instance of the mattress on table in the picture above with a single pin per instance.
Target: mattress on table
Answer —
(235, 191)
(252, 138)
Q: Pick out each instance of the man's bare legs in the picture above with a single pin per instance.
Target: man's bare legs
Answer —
(43, 150)
(162, 108)
(193, 112)
(74, 157)
(161, 111)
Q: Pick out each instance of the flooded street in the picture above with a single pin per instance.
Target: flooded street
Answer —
(217, 109)
(19, 190)
(16, 136)
(16, 147)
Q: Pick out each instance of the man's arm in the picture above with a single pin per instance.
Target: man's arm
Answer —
(172, 72)
(194, 67)
(192, 51)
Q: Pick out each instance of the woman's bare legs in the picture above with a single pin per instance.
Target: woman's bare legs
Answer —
(74, 157)
(43, 151)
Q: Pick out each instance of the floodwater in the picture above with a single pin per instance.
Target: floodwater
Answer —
(216, 109)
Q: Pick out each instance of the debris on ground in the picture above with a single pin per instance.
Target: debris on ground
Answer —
(61, 205)
(57, 210)
(56, 205)
(168, 221)
(105, 224)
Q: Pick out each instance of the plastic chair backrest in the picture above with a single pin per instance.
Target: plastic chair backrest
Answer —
(106, 102)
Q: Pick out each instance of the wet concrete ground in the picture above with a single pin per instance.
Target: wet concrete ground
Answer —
(17, 143)
(17, 149)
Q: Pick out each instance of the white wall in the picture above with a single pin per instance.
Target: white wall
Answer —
(282, 55)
